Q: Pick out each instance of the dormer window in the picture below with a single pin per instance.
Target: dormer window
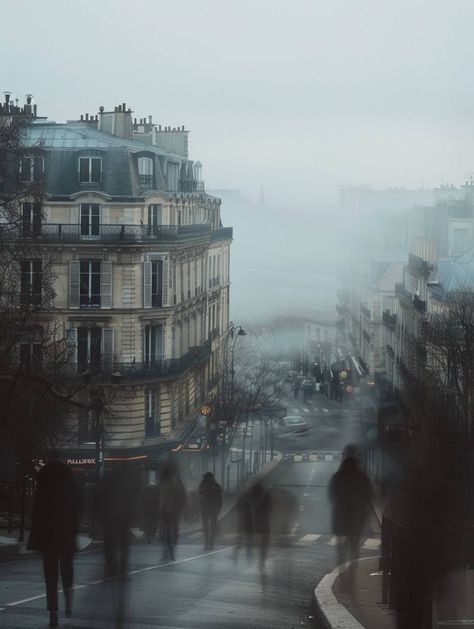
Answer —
(31, 168)
(145, 173)
(90, 170)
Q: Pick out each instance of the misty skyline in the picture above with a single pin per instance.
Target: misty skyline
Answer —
(298, 98)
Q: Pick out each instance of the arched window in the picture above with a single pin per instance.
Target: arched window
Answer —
(145, 173)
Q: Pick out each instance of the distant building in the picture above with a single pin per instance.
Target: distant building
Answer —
(141, 266)
(365, 200)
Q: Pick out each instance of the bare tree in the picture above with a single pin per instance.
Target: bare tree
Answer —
(35, 393)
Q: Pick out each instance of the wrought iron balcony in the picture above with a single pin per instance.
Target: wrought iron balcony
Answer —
(66, 232)
(389, 319)
(164, 368)
(420, 305)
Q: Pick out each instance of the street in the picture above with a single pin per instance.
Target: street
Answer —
(212, 589)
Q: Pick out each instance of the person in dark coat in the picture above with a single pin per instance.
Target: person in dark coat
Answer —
(150, 512)
(350, 494)
(54, 527)
(118, 502)
(211, 502)
(171, 504)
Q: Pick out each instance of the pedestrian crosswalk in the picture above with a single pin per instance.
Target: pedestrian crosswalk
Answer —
(312, 457)
(298, 539)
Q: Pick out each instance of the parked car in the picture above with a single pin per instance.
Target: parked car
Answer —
(290, 424)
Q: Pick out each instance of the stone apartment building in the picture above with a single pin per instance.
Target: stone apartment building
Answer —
(141, 266)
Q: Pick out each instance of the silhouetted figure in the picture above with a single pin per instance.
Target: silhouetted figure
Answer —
(254, 513)
(150, 512)
(118, 501)
(171, 503)
(350, 494)
(211, 501)
(54, 526)
(296, 389)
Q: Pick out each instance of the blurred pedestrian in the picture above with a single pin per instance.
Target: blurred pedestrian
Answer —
(211, 502)
(171, 503)
(296, 388)
(118, 501)
(54, 526)
(350, 494)
(150, 512)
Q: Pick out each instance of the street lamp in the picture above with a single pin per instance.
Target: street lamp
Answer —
(97, 406)
(234, 331)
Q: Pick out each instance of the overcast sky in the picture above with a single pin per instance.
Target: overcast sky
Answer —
(298, 96)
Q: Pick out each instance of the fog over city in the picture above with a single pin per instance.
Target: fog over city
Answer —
(236, 314)
(285, 102)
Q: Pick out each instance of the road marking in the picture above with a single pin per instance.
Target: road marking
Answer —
(295, 410)
(372, 543)
(301, 507)
(325, 410)
(313, 457)
(127, 574)
(298, 457)
(308, 539)
(306, 410)
(332, 541)
(329, 457)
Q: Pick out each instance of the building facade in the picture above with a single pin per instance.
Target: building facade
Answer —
(140, 261)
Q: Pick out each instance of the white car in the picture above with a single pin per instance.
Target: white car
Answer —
(291, 424)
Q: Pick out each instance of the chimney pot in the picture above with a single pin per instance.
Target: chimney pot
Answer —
(101, 109)
(82, 117)
(7, 96)
(28, 99)
(87, 116)
(134, 121)
(150, 119)
(124, 107)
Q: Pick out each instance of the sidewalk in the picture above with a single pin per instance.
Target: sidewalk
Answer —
(352, 599)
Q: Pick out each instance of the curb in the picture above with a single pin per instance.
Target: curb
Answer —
(333, 613)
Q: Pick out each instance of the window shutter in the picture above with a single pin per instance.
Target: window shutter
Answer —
(96, 169)
(74, 283)
(165, 282)
(83, 168)
(147, 284)
(108, 346)
(106, 284)
(71, 342)
(159, 343)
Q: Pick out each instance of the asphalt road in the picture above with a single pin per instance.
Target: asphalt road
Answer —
(217, 589)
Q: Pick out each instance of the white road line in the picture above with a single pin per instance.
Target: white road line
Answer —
(309, 538)
(295, 410)
(325, 410)
(329, 457)
(332, 541)
(313, 457)
(155, 567)
(306, 410)
(372, 543)
(297, 457)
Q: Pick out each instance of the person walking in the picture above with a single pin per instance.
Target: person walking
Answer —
(210, 494)
(150, 512)
(296, 389)
(54, 526)
(350, 494)
(118, 501)
(171, 503)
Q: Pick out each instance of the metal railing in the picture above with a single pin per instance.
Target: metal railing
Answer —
(153, 368)
(66, 232)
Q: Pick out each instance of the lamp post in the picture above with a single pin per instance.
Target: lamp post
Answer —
(97, 406)
(234, 331)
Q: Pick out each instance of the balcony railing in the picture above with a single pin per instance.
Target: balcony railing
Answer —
(389, 319)
(163, 368)
(66, 232)
(419, 304)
